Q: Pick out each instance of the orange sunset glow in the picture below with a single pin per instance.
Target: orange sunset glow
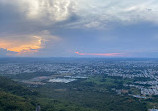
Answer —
(32, 44)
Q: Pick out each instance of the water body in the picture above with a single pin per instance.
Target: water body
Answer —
(76, 77)
(62, 80)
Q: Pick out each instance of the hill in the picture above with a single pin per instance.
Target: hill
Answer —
(15, 97)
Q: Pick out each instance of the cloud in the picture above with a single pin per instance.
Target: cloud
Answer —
(50, 10)
(125, 12)
(52, 27)
(100, 54)
(26, 44)
(90, 13)
(21, 43)
(6, 53)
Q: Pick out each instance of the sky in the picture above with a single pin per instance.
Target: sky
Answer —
(79, 28)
